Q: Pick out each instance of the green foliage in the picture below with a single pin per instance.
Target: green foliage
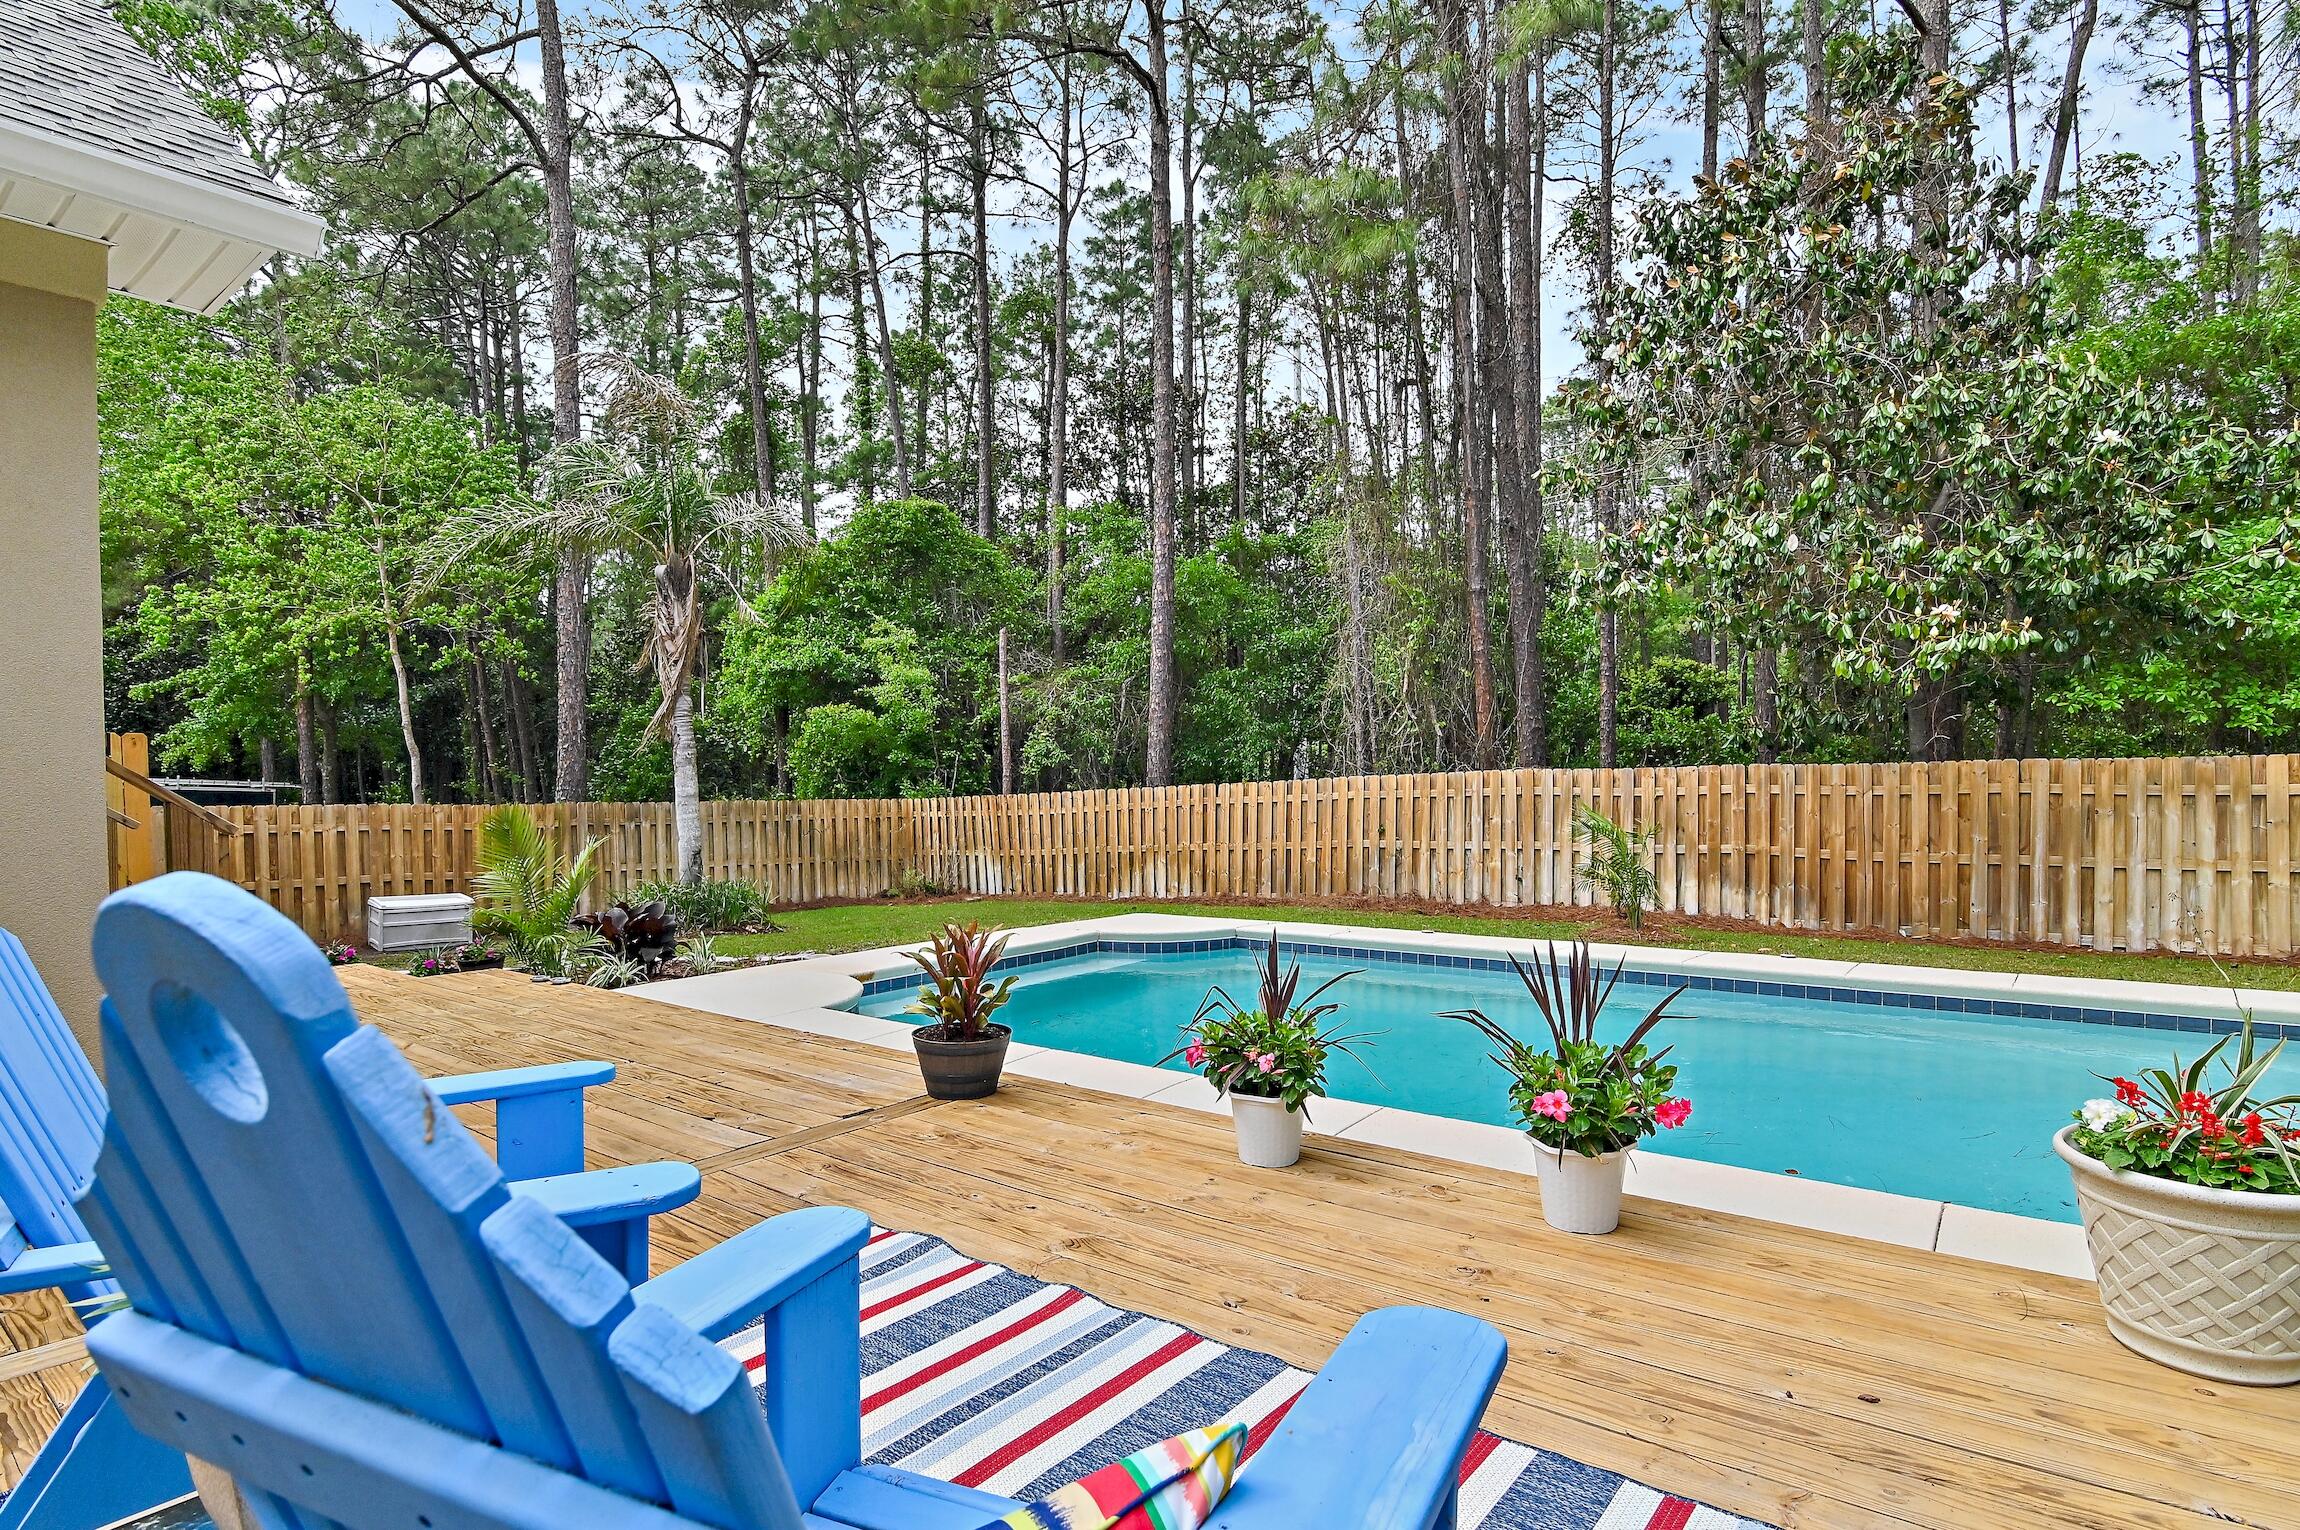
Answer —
(959, 995)
(2170, 1125)
(1619, 864)
(1580, 1095)
(1274, 1050)
(528, 890)
(715, 905)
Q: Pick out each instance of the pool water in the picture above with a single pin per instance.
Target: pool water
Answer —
(1952, 1107)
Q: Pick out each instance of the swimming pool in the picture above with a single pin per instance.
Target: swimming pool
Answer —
(1942, 1098)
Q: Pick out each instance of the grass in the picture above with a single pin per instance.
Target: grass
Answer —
(863, 926)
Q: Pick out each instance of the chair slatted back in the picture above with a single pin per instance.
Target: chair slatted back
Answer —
(278, 1179)
(51, 1106)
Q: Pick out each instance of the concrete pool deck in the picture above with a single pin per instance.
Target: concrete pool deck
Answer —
(818, 996)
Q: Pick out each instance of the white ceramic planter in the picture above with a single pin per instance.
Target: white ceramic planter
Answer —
(1580, 1195)
(1269, 1135)
(2205, 1281)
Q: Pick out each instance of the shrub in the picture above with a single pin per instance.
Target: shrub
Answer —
(1619, 864)
(914, 883)
(721, 906)
(1580, 1095)
(646, 936)
(528, 890)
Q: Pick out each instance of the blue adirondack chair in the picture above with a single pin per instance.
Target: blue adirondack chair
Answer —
(95, 1468)
(338, 1301)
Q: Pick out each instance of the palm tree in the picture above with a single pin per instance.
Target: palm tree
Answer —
(638, 489)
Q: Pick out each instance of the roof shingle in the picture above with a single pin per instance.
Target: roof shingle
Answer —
(68, 69)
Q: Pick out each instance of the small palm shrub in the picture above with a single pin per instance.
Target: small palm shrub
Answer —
(958, 995)
(1619, 865)
(724, 907)
(528, 890)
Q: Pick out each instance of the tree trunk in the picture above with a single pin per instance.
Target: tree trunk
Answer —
(1464, 107)
(1186, 346)
(1816, 50)
(894, 413)
(406, 715)
(747, 287)
(810, 407)
(573, 577)
(1753, 73)
(1712, 86)
(2199, 150)
(1417, 340)
(686, 790)
(1608, 620)
(1058, 387)
(1525, 161)
(330, 759)
(1158, 765)
(2064, 115)
(985, 376)
(306, 737)
(1005, 721)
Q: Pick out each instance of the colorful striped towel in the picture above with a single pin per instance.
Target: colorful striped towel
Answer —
(1173, 1485)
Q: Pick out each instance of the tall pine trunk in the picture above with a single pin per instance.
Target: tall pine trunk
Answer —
(1158, 763)
(573, 574)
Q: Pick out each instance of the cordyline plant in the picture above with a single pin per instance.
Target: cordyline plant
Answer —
(958, 994)
(2169, 1125)
(1581, 1096)
(1275, 1051)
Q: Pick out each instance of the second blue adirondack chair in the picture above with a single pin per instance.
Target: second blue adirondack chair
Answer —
(338, 1302)
(95, 1469)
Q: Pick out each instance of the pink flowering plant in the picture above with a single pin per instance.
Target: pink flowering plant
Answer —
(341, 956)
(1579, 1095)
(1276, 1050)
(2171, 1124)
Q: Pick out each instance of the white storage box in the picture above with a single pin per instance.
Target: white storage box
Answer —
(418, 921)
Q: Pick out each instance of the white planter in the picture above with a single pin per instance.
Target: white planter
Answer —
(1269, 1135)
(2206, 1281)
(1580, 1195)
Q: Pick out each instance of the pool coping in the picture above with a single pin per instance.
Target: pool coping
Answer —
(819, 995)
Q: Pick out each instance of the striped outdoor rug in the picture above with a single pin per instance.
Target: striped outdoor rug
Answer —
(977, 1375)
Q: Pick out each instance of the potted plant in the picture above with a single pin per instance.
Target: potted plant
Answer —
(961, 1050)
(2190, 1196)
(1585, 1104)
(478, 956)
(1269, 1061)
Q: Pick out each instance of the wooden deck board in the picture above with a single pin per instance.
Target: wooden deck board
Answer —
(1797, 1376)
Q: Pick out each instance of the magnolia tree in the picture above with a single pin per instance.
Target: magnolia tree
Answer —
(1840, 401)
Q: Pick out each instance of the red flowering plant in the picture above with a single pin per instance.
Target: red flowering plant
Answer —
(2167, 1123)
(1579, 1095)
(1275, 1051)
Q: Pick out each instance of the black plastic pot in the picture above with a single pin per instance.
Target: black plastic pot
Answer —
(961, 1070)
(482, 964)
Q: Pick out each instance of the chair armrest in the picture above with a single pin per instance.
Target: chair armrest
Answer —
(614, 1195)
(515, 1083)
(721, 1289)
(1376, 1439)
(36, 1269)
(538, 1113)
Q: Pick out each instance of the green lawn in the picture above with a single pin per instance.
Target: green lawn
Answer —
(860, 926)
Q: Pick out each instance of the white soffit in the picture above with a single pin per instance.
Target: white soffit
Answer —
(180, 240)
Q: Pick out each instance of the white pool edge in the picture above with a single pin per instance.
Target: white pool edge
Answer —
(818, 996)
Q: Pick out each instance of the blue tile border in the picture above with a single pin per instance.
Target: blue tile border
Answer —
(2002, 1009)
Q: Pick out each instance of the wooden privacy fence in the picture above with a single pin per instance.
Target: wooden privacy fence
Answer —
(2184, 854)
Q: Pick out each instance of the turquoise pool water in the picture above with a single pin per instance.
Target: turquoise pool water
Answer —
(1953, 1107)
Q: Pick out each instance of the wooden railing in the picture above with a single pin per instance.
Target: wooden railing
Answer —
(2145, 854)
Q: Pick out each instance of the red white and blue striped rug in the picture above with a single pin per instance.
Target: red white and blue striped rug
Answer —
(977, 1375)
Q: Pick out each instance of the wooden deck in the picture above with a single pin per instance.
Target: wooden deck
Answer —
(1799, 1377)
